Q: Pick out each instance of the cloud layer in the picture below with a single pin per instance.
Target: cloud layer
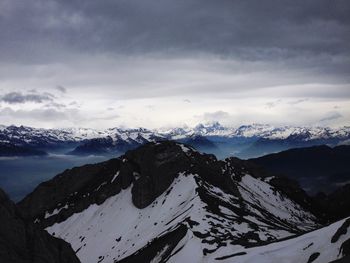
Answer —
(136, 62)
(18, 97)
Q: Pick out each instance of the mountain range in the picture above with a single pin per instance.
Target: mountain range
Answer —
(246, 141)
(316, 168)
(167, 202)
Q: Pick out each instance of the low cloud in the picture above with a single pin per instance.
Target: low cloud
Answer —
(272, 104)
(41, 114)
(55, 105)
(334, 115)
(216, 116)
(19, 98)
(40, 117)
(61, 89)
(295, 102)
(150, 107)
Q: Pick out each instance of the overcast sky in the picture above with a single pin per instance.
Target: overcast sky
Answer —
(156, 63)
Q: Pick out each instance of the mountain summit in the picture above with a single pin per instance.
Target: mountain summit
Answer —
(167, 202)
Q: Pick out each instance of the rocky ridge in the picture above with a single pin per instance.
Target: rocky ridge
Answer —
(162, 195)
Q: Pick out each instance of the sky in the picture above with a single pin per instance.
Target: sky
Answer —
(167, 63)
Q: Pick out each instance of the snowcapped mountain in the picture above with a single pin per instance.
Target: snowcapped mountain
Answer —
(29, 135)
(245, 141)
(262, 131)
(166, 202)
(87, 140)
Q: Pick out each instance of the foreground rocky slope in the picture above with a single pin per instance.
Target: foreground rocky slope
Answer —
(166, 201)
(23, 242)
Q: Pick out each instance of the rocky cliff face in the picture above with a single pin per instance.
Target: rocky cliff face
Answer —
(23, 242)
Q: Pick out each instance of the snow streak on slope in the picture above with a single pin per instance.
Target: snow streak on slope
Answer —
(217, 223)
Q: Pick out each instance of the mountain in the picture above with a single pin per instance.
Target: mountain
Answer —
(9, 149)
(45, 138)
(165, 201)
(77, 141)
(255, 140)
(329, 244)
(317, 168)
(335, 204)
(199, 142)
(246, 141)
(21, 241)
(118, 142)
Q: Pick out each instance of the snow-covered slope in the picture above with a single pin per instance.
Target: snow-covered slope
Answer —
(165, 201)
(323, 245)
(117, 229)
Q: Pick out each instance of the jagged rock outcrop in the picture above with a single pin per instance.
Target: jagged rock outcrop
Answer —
(23, 242)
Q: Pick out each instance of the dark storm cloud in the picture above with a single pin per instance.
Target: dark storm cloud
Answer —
(43, 29)
(18, 97)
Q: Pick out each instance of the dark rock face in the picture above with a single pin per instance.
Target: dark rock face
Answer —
(21, 241)
(313, 257)
(345, 248)
(142, 192)
(341, 231)
(157, 166)
(74, 190)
